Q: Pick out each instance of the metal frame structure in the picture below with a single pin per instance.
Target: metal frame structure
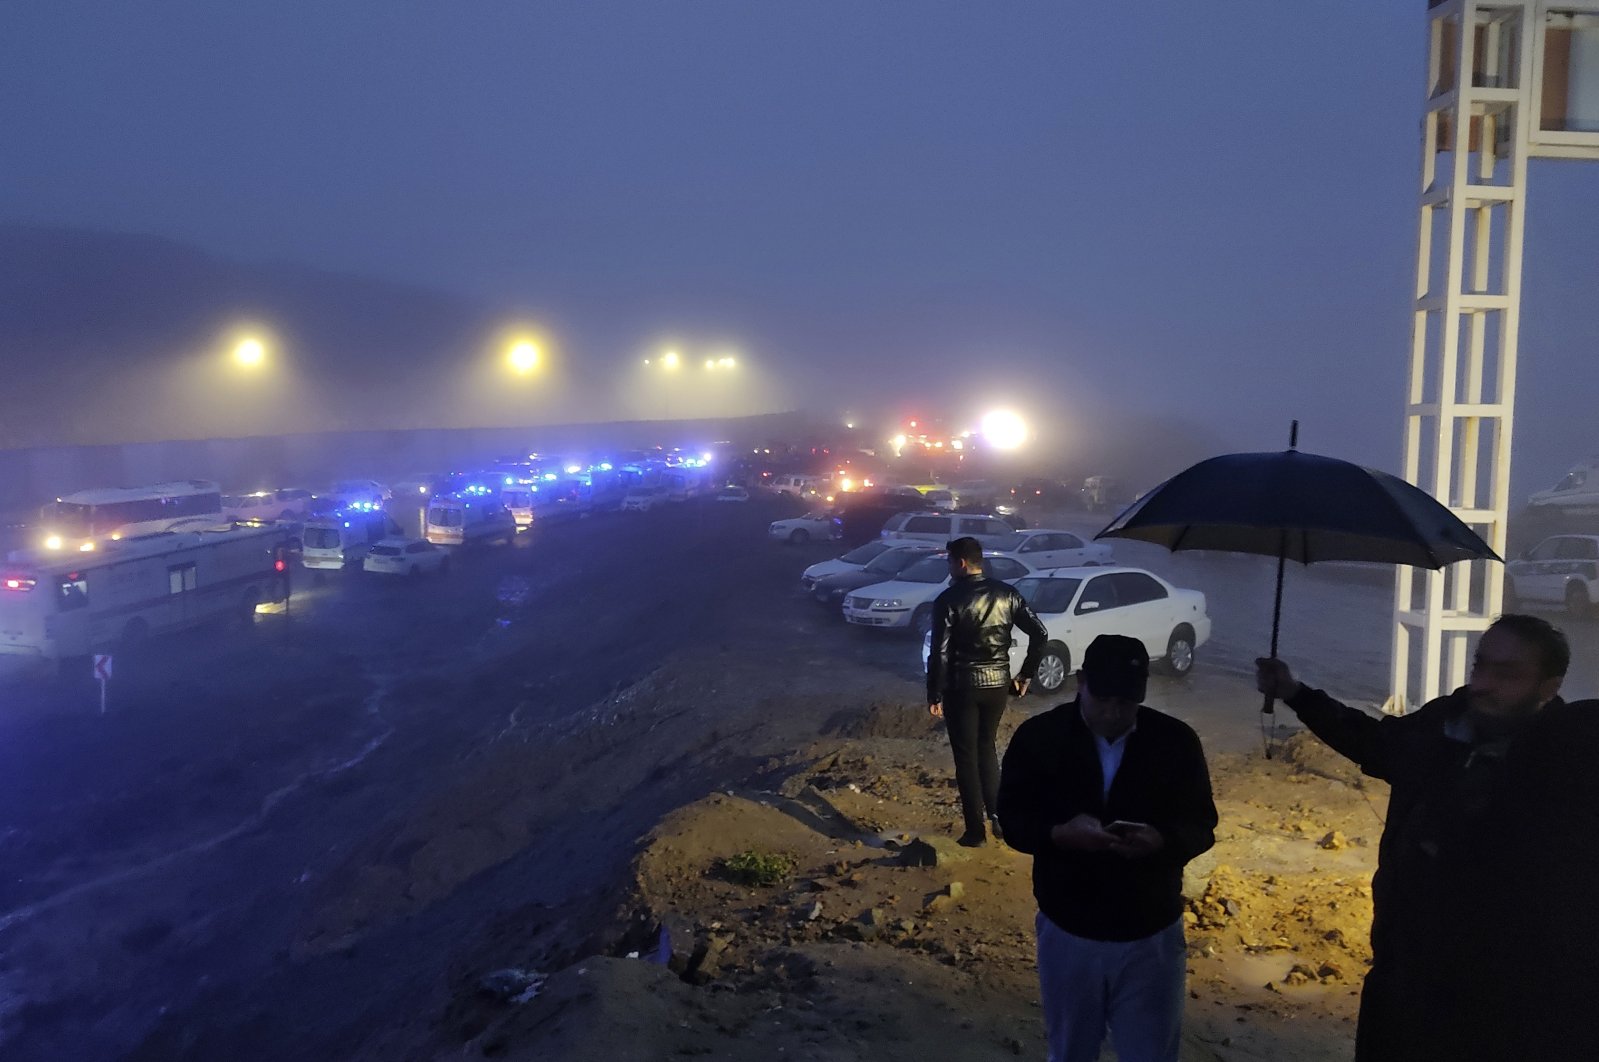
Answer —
(1485, 118)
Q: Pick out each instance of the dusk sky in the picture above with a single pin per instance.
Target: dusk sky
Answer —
(1203, 209)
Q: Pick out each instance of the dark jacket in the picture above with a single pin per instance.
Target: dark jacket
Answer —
(972, 621)
(1485, 907)
(1051, 775)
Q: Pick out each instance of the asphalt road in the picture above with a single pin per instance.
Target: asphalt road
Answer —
(156, 857)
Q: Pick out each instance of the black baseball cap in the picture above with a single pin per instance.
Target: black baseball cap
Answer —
(1116, 666)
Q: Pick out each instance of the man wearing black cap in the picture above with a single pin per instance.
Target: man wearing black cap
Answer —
(1111, 799)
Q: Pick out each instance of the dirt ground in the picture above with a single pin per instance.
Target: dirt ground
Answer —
(879, 938)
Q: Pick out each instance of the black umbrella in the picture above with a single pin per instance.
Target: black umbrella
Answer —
(1298, 506)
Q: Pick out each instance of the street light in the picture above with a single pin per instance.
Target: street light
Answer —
(523, 357)
(250, 352)
(1004, 430)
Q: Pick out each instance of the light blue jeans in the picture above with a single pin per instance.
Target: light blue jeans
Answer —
(1135, 989)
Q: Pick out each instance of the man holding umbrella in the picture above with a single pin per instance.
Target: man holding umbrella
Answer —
(1485, 915)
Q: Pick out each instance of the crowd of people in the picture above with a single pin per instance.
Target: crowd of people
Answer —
(1483, 927)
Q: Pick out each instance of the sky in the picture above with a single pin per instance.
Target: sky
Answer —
(1201, 211)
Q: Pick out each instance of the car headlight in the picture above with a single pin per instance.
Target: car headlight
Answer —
(888, 602)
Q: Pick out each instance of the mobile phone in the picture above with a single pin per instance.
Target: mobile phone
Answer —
(1121, 827)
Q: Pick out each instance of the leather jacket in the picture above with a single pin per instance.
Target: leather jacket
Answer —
(972, 622)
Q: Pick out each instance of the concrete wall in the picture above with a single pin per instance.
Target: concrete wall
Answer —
(30, 478)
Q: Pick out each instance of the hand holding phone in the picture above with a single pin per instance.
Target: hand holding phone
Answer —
(1123, 828)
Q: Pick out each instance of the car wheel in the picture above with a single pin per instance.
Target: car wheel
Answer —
(1053, 667)
(1577, 602)
(922, 620)
(1179, 658)
(798, 536)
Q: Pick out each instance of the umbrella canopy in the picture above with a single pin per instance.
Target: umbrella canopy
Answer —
(1302, 507)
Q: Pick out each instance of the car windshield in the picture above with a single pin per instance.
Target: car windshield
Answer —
(933, 569)
(445, 517)
(1048, 595)
(895, 562)
(385, 551)
(863, 554)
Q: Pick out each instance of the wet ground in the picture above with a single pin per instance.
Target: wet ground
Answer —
(160, 860)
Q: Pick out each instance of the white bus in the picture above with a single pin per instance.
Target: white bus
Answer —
(81, 522)
(54, 606)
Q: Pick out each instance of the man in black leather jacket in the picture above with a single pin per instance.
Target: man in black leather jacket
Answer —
(969, 679)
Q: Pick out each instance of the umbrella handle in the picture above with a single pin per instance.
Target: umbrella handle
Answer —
(1269, 708)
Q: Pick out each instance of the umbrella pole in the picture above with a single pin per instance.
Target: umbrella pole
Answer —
(1268, 710)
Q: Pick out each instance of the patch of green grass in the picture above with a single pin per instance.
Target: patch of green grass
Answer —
(758, 868)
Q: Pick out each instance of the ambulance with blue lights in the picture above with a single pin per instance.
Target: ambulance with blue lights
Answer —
(342, 537)
(54, 606)
(474, 516)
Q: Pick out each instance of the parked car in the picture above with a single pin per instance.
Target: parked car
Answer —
(643, 499)
(860, 517)
(267, 505)
(731, 493)
(1041, 548)
(1561, 570)
(358, 493)
(1576, 494)
(816, 525)
(940, 527)
(406, 556)
(1077, 605)
(906, 601)
(853, 561)
(830, 590)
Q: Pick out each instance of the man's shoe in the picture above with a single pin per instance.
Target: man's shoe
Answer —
(993, 825)
(972, 840)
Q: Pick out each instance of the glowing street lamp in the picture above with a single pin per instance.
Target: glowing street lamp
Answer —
(250, 352)
(1004, 430)
(523, 357)
(670, 360)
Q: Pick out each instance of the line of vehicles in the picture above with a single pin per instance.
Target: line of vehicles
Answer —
(112, 566)
(1076, 587)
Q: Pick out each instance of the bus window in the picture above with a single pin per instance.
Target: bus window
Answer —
(74, 592)
(180, 578)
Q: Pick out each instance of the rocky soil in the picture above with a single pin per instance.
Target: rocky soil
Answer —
(875, 937)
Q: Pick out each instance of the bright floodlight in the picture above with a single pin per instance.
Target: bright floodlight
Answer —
(726, 362)
(670, 359)
(709, 364)
(250, 352)
(1004, 430)
(524, 357)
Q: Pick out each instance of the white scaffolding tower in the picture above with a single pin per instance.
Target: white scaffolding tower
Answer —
(1507, 80)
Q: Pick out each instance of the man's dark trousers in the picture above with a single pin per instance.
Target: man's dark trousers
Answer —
(972, 718)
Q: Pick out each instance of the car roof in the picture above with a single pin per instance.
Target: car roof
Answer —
(391, 541)
(1090, 569)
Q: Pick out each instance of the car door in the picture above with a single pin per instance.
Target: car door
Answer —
(1067, 550)
(1096, 611)
(1535, 576)
(1034, 552)
(1144, 610)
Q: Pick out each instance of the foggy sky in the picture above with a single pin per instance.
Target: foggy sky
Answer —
(1202, 209)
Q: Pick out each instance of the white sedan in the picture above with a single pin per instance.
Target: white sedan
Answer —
(1077, 605)
(406, 556)
(1041, 548)
(730, 493)
(815, 525)
(853, 561)
(906, 601)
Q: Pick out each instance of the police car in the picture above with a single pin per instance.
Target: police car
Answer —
(1562, 570)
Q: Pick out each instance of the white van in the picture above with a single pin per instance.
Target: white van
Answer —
(798, 485)
(469, 521)
(328, 543)
(518, 501)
